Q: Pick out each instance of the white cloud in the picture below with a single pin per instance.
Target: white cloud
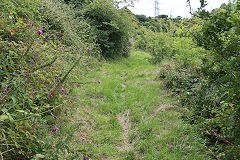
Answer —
(172, 7)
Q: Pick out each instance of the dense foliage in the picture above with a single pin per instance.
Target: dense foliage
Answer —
(42, 45)
(200, 62)
(111, 25)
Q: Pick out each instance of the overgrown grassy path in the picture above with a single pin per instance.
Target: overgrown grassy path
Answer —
(130, 116)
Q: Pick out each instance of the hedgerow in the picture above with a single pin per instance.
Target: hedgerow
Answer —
(41, 45)
(200, 63)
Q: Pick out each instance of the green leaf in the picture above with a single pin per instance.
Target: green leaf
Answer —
(37, 156)
(4, 117)
(4, 110)
(7, 117)
(14, 99)
(10, 117)
(21, 111)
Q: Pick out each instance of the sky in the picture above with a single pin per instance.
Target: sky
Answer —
(172, 8)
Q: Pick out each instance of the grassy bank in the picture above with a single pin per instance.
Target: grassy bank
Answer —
(129, 115)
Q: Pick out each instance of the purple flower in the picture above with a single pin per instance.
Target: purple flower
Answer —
(105, 158)
(88, 49)
(60, 32)
(99, 82)
(55, 32)
(85, 158)
(61, 50)
(80, 51)
(51, 65)
(40, 32)
(54, 130)
(62, 90)
(62, 58)
(27, 73)
(6, 91)
(51, 95)
(29, 25)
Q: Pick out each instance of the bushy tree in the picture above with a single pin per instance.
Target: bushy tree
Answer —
(112, 27)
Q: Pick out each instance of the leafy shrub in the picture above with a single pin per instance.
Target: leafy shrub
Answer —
(219, 35)
(75, 32)
(150, 23)
(162, 45)
(158, 44)
(21, 65)
(209, 87)
(38, 52)
(188, 27)
(112, 27)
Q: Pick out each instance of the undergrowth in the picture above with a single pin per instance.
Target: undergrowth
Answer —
(40, 49)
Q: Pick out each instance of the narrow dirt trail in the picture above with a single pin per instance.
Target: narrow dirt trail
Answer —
(130, 116)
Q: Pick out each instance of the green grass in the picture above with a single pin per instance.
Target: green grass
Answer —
(130, 116)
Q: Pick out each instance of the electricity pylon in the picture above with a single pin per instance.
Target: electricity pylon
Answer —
(156, 12)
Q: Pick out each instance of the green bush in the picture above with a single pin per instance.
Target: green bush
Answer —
(188, 27)
(207, 80)
(162, 45)
(40, 45)
(220, 35)
(158, 44)
(23, 73)
(112, 26)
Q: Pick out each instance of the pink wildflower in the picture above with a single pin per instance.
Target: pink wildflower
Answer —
(99, 82)
(55, 32)
(51, 95)
(88, 49)
(63, 58)
(40, 32)
(60, 32)
(62, 90)
(61, 50)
